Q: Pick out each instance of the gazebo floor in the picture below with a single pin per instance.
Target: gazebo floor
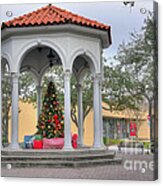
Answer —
(47, 158)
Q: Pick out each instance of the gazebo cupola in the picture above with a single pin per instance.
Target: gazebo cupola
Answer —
(75, 41)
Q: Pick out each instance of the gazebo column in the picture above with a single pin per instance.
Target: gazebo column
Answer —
(80, 114)
(101, 117)
(15, 102)
(96, 107)
(39, 100)
(67, 111)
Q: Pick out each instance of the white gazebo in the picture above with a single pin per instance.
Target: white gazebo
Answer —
(76, 41)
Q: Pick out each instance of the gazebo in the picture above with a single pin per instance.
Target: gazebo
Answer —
(76, 41)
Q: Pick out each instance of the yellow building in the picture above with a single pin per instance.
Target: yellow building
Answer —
(28, 122)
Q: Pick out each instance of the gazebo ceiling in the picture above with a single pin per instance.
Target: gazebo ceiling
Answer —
(38, 59)
(52, 15)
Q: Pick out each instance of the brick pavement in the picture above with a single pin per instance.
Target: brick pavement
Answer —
(107, 172)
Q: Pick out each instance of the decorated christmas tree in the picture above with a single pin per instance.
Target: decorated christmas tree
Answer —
(51, 120)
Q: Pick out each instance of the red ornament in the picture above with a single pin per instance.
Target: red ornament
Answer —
(55, 116)
(56, 122)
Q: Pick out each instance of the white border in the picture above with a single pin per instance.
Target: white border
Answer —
(56, 182)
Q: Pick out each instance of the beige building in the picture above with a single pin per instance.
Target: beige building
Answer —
(28, 122)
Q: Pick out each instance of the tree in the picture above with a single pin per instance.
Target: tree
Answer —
(137, 60)
(129, 78)
(50, 123)
(56, 74)
(87, 90)
(27, 88)
(116, 94)
(116, 90)
(132, 79)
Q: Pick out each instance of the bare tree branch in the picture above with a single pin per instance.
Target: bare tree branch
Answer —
(73, 116)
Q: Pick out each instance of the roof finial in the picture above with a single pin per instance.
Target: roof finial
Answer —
(50, 4)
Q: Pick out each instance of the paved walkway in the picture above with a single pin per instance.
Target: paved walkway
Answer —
(114, 172)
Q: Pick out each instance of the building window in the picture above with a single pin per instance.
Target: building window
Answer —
(115, 128)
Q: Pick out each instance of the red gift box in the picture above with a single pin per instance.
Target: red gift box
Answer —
(74, 144)
(37, 144)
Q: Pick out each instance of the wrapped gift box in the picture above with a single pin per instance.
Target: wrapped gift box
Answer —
(37, 144)
(38, 137)
(29, 145)
(74, 141)
(54, 143)
(74, 144)
(28, 141)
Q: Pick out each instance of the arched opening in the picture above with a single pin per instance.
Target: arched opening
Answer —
(82, 100)
(39, 66)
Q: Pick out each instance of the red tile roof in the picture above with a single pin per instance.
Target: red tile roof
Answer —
(50, 15)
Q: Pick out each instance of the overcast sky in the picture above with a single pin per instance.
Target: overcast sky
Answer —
(122, 19)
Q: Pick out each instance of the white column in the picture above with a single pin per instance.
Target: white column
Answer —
(67, 112)
(39, 100)
(80, 115)
(101, 117)
(96, 107)
(15, 99)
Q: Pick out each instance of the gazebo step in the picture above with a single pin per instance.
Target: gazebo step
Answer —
(58, 158)
(38, 157)
(46, 152)
(60, 164)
